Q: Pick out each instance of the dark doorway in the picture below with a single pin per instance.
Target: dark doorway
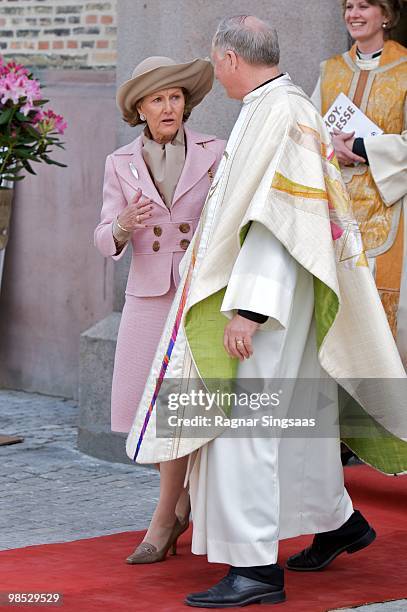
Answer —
(400, 33)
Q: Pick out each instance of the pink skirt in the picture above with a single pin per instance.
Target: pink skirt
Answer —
(141, 325)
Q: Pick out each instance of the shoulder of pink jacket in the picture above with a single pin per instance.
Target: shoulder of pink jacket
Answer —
(208, 141)
(197, 137)
(130, 148)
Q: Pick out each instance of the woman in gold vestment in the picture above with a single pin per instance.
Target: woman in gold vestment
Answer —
(374, 75)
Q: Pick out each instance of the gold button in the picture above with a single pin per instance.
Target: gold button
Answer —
(184, 228)
(157, 230)
(156, 245)
(184, 244)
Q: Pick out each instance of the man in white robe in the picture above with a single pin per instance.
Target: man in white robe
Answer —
(240, 486)
(288, 289)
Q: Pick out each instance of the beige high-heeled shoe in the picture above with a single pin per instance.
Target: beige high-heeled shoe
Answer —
(148, 553)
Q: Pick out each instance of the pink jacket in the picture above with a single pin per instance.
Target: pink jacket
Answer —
(157, 249)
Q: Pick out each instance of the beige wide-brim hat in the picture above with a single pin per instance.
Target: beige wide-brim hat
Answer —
(156, 73)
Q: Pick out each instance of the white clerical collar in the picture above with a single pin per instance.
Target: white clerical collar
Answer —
(284, 79)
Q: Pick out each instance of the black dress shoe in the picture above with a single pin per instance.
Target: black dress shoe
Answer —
(234, 591)
(352, 536)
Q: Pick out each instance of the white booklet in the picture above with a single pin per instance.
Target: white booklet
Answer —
(345, 116)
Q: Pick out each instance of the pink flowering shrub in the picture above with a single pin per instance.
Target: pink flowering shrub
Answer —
(28, 133)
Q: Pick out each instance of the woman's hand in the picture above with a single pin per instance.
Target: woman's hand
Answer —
(136, 213)
(343, 143)
(237, 337)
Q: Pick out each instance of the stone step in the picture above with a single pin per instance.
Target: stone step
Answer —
(97, 348)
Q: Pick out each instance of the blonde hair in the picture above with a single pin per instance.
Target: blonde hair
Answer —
(391, 8)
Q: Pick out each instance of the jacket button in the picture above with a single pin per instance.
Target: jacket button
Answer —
(157, 230)
(184, 228)
(184, 244)
(156, 245)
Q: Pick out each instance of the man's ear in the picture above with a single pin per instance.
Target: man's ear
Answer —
(232, 59)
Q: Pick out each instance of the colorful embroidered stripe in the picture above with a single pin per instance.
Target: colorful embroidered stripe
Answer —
(282, 183)
(167, 356)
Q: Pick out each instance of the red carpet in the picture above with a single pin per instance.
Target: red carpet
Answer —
(92, 576)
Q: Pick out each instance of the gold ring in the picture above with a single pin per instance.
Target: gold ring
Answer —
(239, 341)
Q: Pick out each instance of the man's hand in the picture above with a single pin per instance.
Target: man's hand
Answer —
(237, 338)
(343, 143)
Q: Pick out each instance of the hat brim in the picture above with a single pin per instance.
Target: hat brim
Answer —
(196, 77)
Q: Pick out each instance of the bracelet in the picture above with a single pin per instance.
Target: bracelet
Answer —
(121, 227)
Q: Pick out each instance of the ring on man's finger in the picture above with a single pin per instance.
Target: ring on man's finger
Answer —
(137, 218)
(239, 341)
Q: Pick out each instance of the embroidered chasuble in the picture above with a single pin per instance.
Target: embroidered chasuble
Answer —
(279, 173)
(377, 191)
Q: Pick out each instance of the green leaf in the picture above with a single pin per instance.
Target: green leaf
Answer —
(24, 153)
(13, 178)
(27, 166)
(6, 115)
(27, 140)
(53, 162)
(29, 128)
(21, 117)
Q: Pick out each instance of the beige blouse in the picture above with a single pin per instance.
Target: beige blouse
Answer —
(165, 163)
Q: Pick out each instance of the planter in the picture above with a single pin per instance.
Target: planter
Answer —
(6, 198)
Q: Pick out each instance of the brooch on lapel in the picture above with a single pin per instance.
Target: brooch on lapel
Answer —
(133, 170)
(210, 171)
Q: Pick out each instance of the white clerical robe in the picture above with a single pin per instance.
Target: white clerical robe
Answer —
(248, 493)
(278, 173)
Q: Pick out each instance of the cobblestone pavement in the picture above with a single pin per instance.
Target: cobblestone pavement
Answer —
(51, 492)
(390, 606)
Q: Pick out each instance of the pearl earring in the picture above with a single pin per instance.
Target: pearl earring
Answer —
(384, 25)
(142, 117)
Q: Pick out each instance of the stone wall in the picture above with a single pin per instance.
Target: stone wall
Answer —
(58, 33)
(55, 283)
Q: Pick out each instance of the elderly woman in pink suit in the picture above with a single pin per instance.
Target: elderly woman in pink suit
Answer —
(154, 191)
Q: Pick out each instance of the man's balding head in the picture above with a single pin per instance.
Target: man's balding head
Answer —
(251, 38)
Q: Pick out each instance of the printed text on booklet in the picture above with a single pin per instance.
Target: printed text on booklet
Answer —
(343, 115)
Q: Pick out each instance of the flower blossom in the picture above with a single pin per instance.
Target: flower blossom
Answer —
(49, 121)
(28, 132)
(14, 86)
(12, 67)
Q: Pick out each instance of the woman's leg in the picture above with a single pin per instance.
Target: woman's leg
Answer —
(172, 475)
(183, 507)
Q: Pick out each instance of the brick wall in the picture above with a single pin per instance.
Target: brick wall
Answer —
(59, 33)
